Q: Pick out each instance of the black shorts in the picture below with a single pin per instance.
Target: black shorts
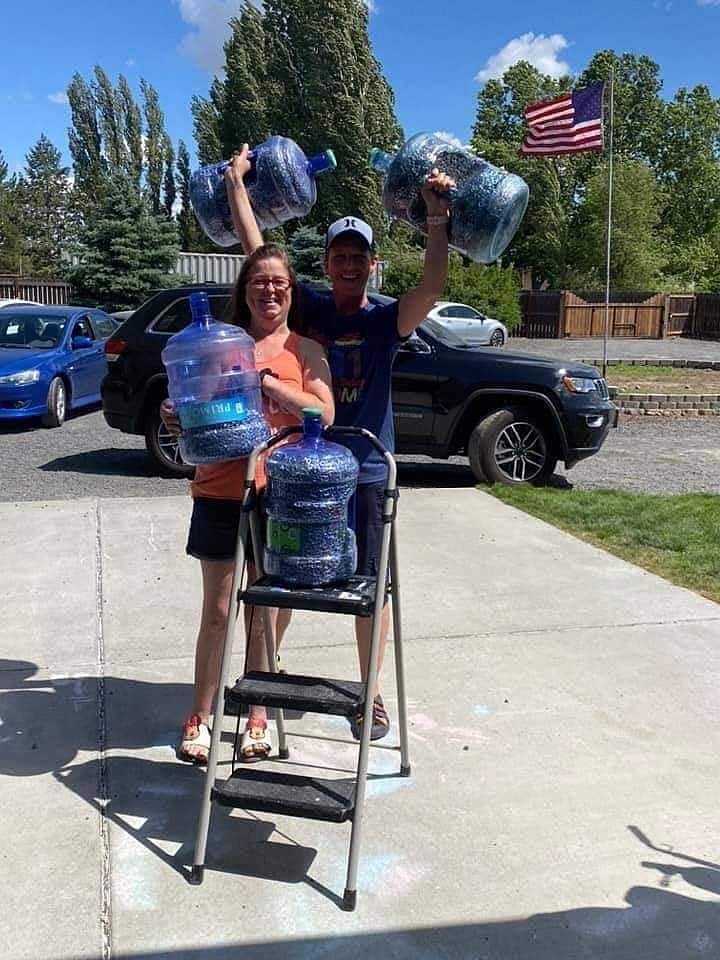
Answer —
(214, 529)
(365, 518)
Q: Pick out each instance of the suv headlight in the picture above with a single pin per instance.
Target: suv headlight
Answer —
(19, 379)
(579, 384)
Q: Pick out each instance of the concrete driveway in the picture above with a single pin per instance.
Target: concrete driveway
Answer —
(564, 726)
(621, 348)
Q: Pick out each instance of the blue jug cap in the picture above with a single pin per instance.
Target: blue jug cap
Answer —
(321, 162)
(200, 309)
(379, 160)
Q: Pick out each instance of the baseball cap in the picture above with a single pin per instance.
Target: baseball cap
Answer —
(349, 225)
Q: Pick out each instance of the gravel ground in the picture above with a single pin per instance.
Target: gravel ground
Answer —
(590, 348)
(85, 458)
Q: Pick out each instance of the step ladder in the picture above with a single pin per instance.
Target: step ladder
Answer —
(279, 793)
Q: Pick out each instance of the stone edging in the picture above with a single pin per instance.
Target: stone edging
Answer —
(657, 362)
(666, 404)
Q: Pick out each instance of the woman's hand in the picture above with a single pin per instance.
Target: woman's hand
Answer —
(237, 168)
(169, 418)
(434, 193)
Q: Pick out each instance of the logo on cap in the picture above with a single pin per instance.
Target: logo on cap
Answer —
(349, 225)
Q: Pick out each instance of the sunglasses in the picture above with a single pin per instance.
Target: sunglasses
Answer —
(262, 282)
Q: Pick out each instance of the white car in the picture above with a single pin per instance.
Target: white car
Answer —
(18, 303)
(467, 323)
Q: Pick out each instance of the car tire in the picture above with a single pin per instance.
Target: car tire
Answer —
(497, 338)
(56, 403)
(163, 448)
(511, 446)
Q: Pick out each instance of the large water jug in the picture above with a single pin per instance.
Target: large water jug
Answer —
(486, 204)
(280, 185)
(213, 382)
(308, 541)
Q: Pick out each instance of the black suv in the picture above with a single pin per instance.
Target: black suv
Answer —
(514, 415)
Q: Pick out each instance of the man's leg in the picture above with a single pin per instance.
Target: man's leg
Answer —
(363, 633)
(366, 514)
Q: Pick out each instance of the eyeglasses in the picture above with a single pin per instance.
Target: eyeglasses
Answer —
(261, 282)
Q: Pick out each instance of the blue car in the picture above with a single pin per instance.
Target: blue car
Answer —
(52, 360)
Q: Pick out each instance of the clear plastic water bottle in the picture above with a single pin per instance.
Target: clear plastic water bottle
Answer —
(486, 204)
(308, 541)
(280, 185)
(213, 382)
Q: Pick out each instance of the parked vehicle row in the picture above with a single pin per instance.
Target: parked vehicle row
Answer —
(52, 359)
(514, 415)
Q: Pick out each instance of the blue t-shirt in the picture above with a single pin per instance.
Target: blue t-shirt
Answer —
(361, 348)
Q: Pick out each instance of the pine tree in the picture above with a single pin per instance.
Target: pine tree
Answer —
(85, 142)
(11, 240)
(132, 128)
(311, 78)
(154, 140)
(46, 209)
(330, 92)
(190, 235)
(110, 110)
(169, 185)
(126, 250)
(307, 253)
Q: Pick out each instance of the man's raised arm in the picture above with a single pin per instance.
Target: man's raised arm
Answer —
(415, 304)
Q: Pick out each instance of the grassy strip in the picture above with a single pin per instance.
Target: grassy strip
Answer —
(663, 379)
(677, 537)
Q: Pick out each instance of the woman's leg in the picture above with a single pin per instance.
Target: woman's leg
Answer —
(217, 578)
(257, 659)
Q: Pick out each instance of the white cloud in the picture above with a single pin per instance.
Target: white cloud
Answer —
(59, 97)
(539, 50)
(373, 7)
(708, 3)
(130, 62)
(209, 23)
(450, 137)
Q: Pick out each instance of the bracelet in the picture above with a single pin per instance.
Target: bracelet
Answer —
(436, 221)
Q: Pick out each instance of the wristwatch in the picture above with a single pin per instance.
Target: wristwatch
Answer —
(267, 372)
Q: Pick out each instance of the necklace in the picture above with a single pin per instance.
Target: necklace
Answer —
(270, 346)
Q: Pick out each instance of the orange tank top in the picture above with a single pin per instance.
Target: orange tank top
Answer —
(225, 480)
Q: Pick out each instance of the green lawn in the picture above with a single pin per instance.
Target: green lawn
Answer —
(677, 537)
(646, 379)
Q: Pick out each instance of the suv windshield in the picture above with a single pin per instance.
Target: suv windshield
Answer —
(31, 330)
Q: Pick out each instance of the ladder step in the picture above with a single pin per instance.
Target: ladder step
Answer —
(342, 698)
(288, 795)
(355, 596)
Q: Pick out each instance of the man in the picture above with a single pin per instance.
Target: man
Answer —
(361, 339)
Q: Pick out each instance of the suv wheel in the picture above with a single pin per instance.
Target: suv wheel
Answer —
(163, 448)
(510, 446)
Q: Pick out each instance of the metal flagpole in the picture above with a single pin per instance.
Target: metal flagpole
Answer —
(609, 222)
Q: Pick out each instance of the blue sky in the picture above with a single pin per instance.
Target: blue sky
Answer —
(432, 53)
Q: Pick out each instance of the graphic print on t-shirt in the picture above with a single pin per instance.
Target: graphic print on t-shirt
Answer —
(345, 355)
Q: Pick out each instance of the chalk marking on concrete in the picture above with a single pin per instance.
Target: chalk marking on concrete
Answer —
(103, 795)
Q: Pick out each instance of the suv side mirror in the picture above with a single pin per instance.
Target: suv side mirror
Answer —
(415, 344)
(81, 343)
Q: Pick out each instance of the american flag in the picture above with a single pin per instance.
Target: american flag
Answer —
(569, 124)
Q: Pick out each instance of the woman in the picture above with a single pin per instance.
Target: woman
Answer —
(294, 373)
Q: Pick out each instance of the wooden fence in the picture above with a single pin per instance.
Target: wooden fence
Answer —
(706, 318)
(550, 314)
(29, 288)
